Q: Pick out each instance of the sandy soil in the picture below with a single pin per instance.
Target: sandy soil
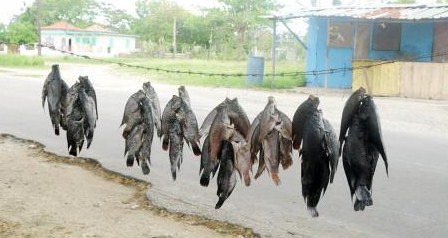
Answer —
(42, 195)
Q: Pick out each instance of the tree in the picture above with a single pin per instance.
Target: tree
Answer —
(155, 21)
(114, 18)
(243, 16)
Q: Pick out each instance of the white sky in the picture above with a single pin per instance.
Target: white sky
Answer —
(9, 8)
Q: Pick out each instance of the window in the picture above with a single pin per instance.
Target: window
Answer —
(386, 36)
(93, 41)
(340, 34)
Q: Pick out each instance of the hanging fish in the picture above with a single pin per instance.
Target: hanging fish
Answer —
(226, 175)
(270, 136)
(316, 155)
(132, 112)
(168, 118)
(362, 146)
(176, 147)
(55, 90)
(155, 106)
(75, 119)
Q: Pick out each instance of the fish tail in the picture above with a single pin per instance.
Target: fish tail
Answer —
(363, 198)
(196, 149)
(275, 178)
(165, 143)
(246, 179)
(145, 168)
(73, 151)
(313, 211)
(205, 179)
(130, 161)
(173, 172)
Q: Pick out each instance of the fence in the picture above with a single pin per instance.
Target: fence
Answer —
(403, 79)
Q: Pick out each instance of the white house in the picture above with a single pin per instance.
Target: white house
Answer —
(91, 41)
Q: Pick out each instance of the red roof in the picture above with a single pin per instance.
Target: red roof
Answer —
(61, 25)
(96, 28)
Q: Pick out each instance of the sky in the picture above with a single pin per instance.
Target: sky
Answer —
(9, 8)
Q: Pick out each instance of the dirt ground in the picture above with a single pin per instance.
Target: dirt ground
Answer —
(45, 196)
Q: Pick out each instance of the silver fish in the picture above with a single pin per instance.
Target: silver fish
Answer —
(189, 124)
(132, 112)
(176, 147)
(226, 175)
(155, 106)
(169, 116)
(89, 107)
(133, 144)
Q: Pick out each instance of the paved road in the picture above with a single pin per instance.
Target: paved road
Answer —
(410, 203)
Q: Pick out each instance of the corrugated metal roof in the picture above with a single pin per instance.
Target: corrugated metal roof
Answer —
(386, 12)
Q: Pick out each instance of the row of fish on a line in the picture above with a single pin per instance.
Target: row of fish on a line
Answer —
(231, 145)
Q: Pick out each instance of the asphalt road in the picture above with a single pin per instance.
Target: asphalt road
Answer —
(411, 202)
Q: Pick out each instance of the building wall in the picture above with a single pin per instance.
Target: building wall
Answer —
(316, 54)
(88, 43)
(321, 57)
(416, 40)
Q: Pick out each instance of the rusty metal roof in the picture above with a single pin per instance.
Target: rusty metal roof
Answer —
(384, 12)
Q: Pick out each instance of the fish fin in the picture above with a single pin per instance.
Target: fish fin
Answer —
(313, 211)
(362, 198)
(196, 149)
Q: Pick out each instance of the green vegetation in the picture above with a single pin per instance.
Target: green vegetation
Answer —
(21, 61)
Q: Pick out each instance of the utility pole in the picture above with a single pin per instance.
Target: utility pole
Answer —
(39, 37)
(174, 38)
(274, 47)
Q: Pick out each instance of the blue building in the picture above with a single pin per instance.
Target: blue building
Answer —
(338, 36)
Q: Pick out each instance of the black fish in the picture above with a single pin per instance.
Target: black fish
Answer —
(317, 154)
(55, 90)
(363, 145)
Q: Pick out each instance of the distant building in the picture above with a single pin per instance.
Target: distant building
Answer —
(391, 50)
(92, 41)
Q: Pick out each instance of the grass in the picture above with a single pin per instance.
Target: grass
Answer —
(20, 61)
(193, 65)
